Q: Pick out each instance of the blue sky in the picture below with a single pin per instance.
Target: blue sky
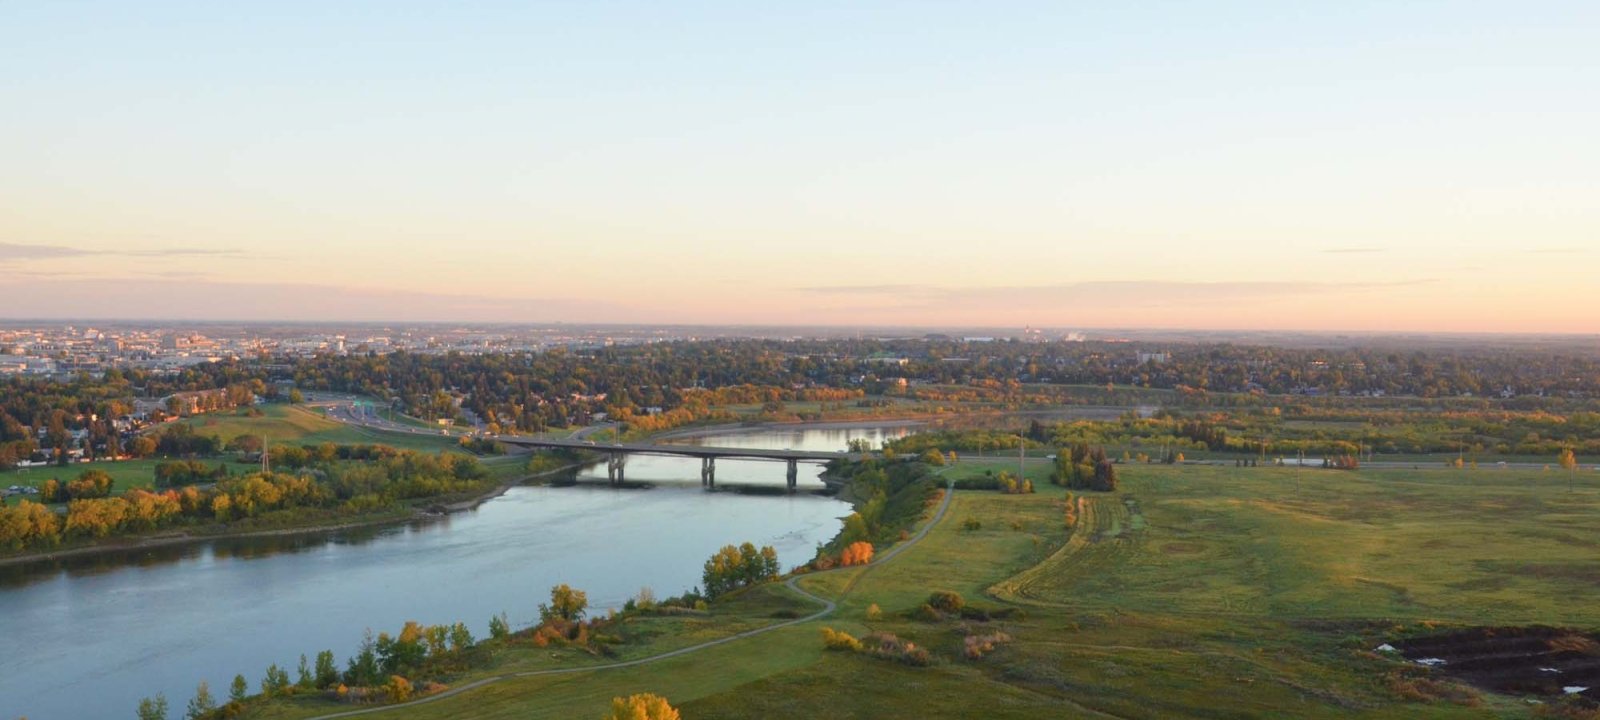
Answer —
(1345, 166)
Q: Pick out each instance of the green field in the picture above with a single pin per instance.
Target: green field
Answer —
(1192, 592)
(282, 424)
(125, 474)
(302, 426)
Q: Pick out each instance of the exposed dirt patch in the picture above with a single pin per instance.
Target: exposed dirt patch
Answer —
(1534, 660)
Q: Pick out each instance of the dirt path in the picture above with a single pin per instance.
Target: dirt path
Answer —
(828, 606)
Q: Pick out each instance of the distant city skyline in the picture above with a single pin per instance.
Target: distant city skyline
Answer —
(1365, 167)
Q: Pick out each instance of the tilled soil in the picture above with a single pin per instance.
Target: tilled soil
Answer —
(1534, 660)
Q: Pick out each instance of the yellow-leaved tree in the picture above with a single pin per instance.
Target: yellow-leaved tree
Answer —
(643, 706)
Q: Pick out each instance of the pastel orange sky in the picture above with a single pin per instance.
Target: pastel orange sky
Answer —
(1237, 165)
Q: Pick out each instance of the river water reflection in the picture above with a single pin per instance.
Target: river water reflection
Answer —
(88, 637)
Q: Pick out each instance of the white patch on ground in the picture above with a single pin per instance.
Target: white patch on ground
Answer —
(1385, 648)
(1573, 689)
(1430, 662)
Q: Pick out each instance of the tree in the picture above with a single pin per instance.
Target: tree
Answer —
(737, 566)
(304, 679)
(327, 671)
(295, 398)
(498, 627)
(363, 668)
(460, 638)
(202, 704)
(856, 553)
(1569, 462)
(153, 708)
(565, 604)
(275, 682)
(239, 690)
(643, 706)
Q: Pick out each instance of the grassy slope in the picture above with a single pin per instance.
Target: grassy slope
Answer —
(1193, 592)
(281, 423)
(301, 426)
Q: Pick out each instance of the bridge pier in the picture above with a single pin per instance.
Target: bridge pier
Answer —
(614, 464)
(794, 474)
(708, 472)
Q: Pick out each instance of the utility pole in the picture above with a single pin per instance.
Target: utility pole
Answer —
(266, 467)
(1022, 456)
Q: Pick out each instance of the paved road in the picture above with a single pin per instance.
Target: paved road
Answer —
(828, 606)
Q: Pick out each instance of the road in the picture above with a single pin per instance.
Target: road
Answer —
(828, 607)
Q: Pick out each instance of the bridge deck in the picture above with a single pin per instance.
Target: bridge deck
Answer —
(697, 451)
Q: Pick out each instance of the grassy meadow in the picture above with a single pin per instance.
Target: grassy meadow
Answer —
(282, 424)
(1192, 592)
(295, 425)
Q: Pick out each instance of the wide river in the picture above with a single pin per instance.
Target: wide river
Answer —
(88, 637)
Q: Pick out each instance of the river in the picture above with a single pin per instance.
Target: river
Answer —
(88, 637)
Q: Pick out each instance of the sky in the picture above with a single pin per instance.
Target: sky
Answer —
(1366, 166)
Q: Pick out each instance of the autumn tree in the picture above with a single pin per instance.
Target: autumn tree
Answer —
(735, 567)
(856, 553)
(643, 706)
(566, 604)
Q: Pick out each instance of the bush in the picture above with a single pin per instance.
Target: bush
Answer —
(890, 647)
(976, 646)
(874, 612)
(644, 706)
(947, 601)
(839, 641)
(971, 524)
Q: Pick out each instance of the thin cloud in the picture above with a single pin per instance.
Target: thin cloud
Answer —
(23, 251)
(18, 251)
(200, 299)
(1563, 250)
(179, 252)
(1137, 292)
(1352, 250)
(864, 289)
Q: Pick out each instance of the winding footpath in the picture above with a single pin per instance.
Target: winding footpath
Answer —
(828, 607)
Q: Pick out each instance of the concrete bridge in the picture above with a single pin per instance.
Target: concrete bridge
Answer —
(616, 454)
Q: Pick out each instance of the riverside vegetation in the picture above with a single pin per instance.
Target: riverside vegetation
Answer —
(1187, 592)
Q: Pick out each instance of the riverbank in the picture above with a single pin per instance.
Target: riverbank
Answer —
(1085, 412)
(392, 517)
(797, 426)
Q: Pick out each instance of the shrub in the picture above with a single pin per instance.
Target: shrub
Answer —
(643, 706)
(874, 612)
(839, 641)
(947, 601)
(890, 647)
(976, 646)
(971, 524)
(398, 689)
